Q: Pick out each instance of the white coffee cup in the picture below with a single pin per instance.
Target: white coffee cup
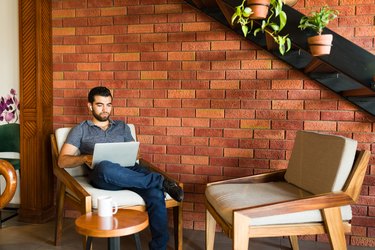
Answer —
(106, 206)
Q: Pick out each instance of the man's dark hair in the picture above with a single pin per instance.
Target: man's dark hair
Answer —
(101, 91)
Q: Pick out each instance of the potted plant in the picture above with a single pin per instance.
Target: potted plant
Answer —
(272, 26)
(259, 8)
(320, 44)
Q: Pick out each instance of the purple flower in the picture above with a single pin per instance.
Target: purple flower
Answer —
(9, 107)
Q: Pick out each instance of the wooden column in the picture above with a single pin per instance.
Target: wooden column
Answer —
(36, 110)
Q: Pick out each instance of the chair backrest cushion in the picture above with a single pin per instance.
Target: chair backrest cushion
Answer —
(62, 133)
(320, 163)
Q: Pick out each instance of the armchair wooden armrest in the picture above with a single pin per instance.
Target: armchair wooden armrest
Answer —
(71, 183)
(10, 176)
(313, 202)
(259, 178)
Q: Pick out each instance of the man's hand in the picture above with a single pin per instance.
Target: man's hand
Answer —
(88, 160)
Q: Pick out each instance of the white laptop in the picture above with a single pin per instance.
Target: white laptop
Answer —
(123, 153)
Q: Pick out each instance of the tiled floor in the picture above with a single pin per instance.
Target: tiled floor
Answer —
(16, 235)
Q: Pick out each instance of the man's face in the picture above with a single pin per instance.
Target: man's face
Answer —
(101, 107)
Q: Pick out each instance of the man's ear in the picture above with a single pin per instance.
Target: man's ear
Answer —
(89, 105)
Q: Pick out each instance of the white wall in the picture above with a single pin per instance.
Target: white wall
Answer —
(9, 51)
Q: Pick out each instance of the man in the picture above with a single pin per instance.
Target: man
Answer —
(110, 176)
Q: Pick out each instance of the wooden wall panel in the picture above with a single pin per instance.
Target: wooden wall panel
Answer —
(36, 110)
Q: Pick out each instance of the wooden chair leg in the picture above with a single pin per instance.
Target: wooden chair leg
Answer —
(59, 212)
(294, 242)
(335, 228)
(210, 231)
(240, 232)
(178, 227)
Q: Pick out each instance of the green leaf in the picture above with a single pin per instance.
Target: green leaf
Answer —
(245, 29)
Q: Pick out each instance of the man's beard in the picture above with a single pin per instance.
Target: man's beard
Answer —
(100, 118)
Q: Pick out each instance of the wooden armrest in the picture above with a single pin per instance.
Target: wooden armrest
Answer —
(71, 183)
(10, 176)
(151, 167)
(309, 203)
(259, 178)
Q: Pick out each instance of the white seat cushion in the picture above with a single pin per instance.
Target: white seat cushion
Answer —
(320, 163)
(123, 198)
(227, 197)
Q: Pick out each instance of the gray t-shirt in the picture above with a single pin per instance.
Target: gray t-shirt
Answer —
(86, 134)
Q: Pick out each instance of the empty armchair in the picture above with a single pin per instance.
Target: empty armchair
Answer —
(74, 185)
(312, 196)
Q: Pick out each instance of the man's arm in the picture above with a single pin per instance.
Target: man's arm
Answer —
(69, 159)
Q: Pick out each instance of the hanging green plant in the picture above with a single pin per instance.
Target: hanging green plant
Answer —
(272, 25)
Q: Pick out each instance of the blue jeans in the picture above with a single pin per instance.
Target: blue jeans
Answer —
(149, 185)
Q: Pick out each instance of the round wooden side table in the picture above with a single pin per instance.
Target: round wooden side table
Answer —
(124, 222)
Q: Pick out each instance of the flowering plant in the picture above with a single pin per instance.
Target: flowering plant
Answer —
(9, 108)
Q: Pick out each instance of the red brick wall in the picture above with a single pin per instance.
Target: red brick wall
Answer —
(207, 104)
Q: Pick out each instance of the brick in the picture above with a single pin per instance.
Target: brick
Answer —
(256, 104)
(225, 45)
(256, 64)
(303, 115)
(139, 103)
(271, 114)
(166, 46)
(337, 115)
(196, 141)
(153, 38)
(181, 94)
(208, 170)
(145, 75)
(88, 66)
(113, 11)
(239, 113)
(210, 75)
(224, 123)
(287, 125)
(320, 126)
(168, 8)
(223, 161)
(269, 134)
(225, 104)
(303, 94)
(210, 94)
(140, 28)
(195, 65)
(196, 27)
(255, 124)
(100, 75)
(238, 152)
(210, 36)
(210, 55)
(238, 133)
(354, 126)
(208, 132)
(181, 56)
(102, 57)
(272, 94)
(195, 46)
(127, 57)
(195, 122)
(210, 113)
(240, 74)
(195, 160)
(88, 48)
(63, 31)
(287, 104)
(63, 49)
(224, 84)
(182, 75)
(180, 131)
(99, 21)
(168, 28)
(272, 74)
(167, 121)
(224, 65)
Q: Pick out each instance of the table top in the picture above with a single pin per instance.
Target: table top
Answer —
(124, 222)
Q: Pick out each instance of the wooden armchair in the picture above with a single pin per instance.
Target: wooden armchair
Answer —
(313, 196)
(73, 185)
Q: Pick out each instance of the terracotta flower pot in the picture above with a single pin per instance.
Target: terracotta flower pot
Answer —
(290, 2)
(259, 7)
(320, 45)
